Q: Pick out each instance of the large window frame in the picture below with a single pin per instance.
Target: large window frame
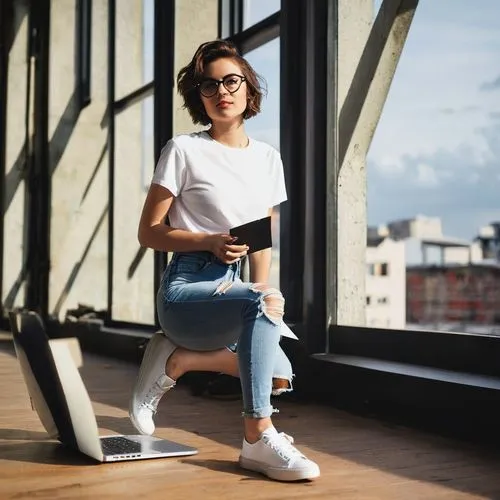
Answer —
(372, 357)
(399, 367)
(305, 62)
(419, 367)
(462, 359)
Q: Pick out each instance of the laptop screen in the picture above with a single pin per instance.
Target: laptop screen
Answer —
(40, 374)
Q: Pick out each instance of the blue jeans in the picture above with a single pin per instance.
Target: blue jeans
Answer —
(196, 315)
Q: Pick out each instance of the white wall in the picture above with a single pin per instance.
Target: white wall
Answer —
(13, 285)
(386, 294)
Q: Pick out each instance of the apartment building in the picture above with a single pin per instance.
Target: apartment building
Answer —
(385, 283)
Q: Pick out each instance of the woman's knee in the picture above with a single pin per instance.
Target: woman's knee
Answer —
(272, 303)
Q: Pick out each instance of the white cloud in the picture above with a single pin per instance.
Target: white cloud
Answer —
(452, 49)
(450, 184)
(427, 176)
(436, 149)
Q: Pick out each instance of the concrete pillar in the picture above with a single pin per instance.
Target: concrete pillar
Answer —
(354, 23)
(368, 55)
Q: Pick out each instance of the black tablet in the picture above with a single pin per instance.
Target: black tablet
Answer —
(255, 234)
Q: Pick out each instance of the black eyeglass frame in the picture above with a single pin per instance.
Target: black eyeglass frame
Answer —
(219, 82)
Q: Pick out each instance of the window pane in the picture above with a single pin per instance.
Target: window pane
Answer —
(255, 11)
(266, 126)
(133, 269)
(78, 163)
(134, 46)
(434, 177)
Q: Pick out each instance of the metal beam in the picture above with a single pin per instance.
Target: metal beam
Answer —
(304, 137)
(164, 78)
(111, 150)
(39, 179)
(259, 34)
(5, 30)
(134, 97)
(230, 17)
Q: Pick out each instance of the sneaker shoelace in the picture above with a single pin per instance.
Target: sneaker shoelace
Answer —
(287, 437)
(153, 396)
(282, 445)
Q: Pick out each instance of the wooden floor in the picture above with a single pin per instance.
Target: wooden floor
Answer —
(360, 459)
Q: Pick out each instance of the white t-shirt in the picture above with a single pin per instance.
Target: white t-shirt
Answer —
(217, 187)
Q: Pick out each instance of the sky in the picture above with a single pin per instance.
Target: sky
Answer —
(436, 150)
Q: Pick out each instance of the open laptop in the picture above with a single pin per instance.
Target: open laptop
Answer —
(58, 394)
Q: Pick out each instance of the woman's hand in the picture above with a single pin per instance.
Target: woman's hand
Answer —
(223, 247)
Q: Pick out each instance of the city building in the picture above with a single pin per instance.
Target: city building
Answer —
(419, 227)
(425, 243)
(464, 298)
(447, 282)
(385, 283)
(489, 241)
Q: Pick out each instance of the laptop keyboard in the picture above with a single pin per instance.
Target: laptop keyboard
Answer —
(119, 446)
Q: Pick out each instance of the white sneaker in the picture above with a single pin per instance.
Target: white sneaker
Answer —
(151, 384)
(275, 456)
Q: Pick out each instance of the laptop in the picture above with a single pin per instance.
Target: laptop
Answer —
(58, 394)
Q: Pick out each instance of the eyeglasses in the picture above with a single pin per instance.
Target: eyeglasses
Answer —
(210, 87)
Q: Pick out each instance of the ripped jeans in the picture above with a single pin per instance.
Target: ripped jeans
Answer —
(203, 305)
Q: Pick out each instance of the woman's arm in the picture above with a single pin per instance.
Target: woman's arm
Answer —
(260, 263)
(154, 233)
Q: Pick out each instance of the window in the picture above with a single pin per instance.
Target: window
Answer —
(132, 267)
(257, 10)
(261, 47)
(432, 170)
(266, 126)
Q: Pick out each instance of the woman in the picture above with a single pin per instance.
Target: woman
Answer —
(207, 183)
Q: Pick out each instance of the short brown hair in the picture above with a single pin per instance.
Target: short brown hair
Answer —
(192, 74)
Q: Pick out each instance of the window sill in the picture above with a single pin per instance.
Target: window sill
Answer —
(412, 370)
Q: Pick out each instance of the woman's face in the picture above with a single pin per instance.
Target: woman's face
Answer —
(229, 100)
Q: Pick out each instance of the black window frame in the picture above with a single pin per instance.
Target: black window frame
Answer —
(230, 17)
(84, 51)
(302, 26)
(400, 369)
(6, 20)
